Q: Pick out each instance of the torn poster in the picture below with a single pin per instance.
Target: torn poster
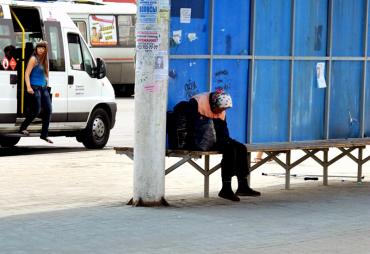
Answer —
(320, 75)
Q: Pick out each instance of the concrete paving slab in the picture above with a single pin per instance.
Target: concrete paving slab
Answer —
(74, 202)
(308, 219)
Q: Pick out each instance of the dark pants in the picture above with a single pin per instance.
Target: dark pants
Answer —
(41, 100)
(234, 161)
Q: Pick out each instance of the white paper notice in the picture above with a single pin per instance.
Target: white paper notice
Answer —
(161, 65)
(185, 15)
(320, 75)
(177, 36)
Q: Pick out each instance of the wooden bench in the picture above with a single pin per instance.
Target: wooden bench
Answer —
(185, 156)
(310, 149)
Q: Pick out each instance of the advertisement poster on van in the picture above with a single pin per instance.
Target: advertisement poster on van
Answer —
(102, 30)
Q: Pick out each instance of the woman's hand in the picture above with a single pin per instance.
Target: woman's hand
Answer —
(30, 90)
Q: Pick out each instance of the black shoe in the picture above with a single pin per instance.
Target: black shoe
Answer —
(247, 191)
(228, 194)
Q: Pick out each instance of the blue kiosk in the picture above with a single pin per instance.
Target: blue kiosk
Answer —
(296, 69)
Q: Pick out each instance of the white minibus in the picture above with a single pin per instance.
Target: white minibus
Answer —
(83, 100)
(109, 29)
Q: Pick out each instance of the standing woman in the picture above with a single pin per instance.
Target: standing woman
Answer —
(36, 77)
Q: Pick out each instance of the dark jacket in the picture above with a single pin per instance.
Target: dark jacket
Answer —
(222, 132)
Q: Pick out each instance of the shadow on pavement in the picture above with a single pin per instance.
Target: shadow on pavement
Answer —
(14, 151)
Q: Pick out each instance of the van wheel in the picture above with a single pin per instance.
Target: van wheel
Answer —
(9, 141)
(96, 133)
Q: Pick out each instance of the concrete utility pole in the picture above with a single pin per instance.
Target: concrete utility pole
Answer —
(151, 85)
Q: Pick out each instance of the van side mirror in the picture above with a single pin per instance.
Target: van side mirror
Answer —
(101, 70)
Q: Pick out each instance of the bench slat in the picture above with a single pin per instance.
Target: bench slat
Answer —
(271, 147)
(310, 145)
(170, 153)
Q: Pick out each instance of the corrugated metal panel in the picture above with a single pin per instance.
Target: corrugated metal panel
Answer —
(308, 104)
(225, 19)
(198, 27)
(367, 104)
(311, 28)
(265, 53)
(348, 27)
(232, 75)
(187, 79)
(273, 27)
(270, 101)
(345, 99)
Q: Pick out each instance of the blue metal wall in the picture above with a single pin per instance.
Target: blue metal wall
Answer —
(265, 53)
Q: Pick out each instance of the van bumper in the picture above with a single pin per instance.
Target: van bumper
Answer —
(113, 110)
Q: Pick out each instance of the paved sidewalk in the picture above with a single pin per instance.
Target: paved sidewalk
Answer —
(74, 202)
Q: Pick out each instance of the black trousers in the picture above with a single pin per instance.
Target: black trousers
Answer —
(234, 161)
(41, 100)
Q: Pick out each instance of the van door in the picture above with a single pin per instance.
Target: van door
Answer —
(8, 72)
(84, 89)
(57, 71)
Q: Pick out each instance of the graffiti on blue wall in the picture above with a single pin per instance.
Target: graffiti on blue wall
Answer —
(191, 88)
(222, 80)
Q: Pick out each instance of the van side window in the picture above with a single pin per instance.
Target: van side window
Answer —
(126, 26)
(88, 60)
(79, 55)
(81, 25)
(7, 45)
(103, 30)
(56, 50)
(75, 54)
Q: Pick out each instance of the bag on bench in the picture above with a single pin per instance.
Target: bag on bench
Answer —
(177, 127)
(204, 134)
(201, 136)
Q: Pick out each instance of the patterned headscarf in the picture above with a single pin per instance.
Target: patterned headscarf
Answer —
(221, 99)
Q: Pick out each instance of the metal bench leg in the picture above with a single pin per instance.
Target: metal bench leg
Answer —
(325, 167)
(206, 176)
(287, 171)
(359, 165)
(249, 167)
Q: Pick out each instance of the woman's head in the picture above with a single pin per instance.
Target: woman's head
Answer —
(41, 52)
(41, 48)
(220, 101)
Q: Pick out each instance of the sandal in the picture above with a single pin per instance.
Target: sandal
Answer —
(24, 132)
(47, 140)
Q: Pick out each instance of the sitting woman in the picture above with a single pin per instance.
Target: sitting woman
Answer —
(212, 107)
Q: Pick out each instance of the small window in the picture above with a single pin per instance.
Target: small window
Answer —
(87, 59)
(103, 31)
(75, 54)
(81, 25)
(80, 57)
(56, 50)
(4, 30)
(126, 25)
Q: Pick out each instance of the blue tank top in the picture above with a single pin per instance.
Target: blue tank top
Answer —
(37, 77)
